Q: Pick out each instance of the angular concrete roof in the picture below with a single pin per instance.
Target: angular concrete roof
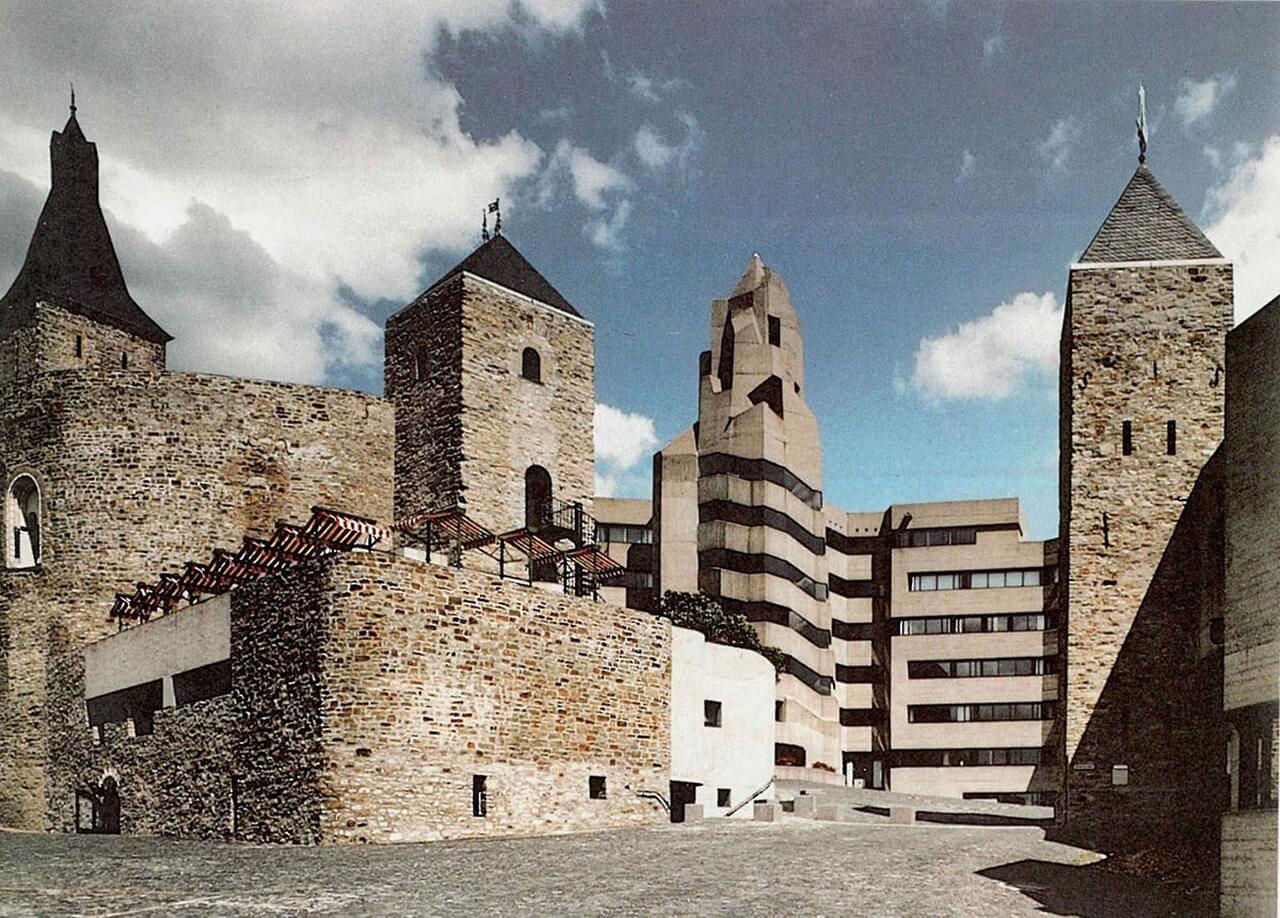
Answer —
(1146, 224)
(501, 262)
(71, 261)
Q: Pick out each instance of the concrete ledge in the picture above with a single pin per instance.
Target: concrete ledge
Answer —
(834, 812)
(766, 812)
(902, 815)
(806, 806)
(693, 812)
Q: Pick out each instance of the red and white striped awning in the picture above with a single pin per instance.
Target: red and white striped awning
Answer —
(530, 545)
(197, 579)
(596, 562)
(290, 540)
(344, 530)
(445, 527)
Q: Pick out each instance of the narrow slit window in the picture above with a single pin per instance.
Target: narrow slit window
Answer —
(775, 331)
(1171, 438)
(1126, 438)
(79, 346)
(479, 795)
(124, 361)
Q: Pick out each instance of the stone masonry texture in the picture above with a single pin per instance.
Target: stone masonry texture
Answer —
(1139, 533)
(398, 683)
(139, 472)
(469, 425)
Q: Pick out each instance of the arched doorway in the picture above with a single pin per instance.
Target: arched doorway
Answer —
(537, 498)
(24, 517)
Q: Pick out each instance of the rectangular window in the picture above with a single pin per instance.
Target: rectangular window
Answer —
(722, 796)
(479, 795)
(778, 711)
(775, 331)
(79, 346)
(711, 713)
(980, 581)
(1171, 438)
(1126, 437)
(595, 787)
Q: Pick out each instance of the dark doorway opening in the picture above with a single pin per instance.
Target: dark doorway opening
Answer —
(682, 792)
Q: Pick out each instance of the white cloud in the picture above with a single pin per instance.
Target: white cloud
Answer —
(1244, 225)
(1056, 149)
(992, 46)
(656, 152)
(342, 166)
(968, 162)
(651, 89)
(598, 186)
(990, 357)
(622, 441)
(1198, 98)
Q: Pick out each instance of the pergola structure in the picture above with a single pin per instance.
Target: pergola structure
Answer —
(326, 532)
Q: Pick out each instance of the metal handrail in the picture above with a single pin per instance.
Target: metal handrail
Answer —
(764, 787)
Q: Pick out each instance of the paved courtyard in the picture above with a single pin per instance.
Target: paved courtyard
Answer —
(794, 868)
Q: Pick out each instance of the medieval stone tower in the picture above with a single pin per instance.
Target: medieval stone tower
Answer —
(1141, 393)
(492, 374)
(115, 469)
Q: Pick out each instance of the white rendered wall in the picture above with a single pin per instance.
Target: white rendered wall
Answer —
(739, 753)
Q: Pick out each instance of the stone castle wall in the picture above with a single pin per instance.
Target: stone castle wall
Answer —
(510, 423)
(398, 682)
(423, 379)
(140, 472)
(1145, 345)
(435, 674)
(50, 342)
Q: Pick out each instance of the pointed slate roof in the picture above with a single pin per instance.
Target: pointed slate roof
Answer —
(1146, 224)
(501, 262)
(71, 261)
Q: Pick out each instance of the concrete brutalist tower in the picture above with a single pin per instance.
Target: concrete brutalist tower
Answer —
(755, 463)
(1141, 382)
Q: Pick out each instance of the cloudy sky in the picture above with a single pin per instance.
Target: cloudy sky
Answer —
(280, 178)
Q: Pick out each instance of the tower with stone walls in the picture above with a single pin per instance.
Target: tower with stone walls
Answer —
(1141, 414)
(115, 469)
(492, 375)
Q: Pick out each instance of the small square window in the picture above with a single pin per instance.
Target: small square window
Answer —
(596, 787)
(775, 331)
(1119, 775)
(711, 713)
(722, 796)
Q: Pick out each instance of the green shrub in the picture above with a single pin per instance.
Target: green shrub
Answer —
(699, 612)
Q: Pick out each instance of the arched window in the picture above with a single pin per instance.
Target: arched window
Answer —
(531, 365)
(23, 514)
(537, 498)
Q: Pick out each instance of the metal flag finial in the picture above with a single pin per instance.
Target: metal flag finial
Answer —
(497, 220)
(73, 98)
(484, 226)
(1142, 124)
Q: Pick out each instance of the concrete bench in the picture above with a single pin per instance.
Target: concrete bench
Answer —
(902, 815)
(806, 806)
(766, 812)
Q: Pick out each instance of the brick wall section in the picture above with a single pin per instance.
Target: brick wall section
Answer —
(397, 683)
(435, 674)
(1253, 507)
(510, 423)
(422, 377)
(1144, 344)
(141, 472)
(49, 343)
(472, 425)
(1249, 864)
(1121, 321)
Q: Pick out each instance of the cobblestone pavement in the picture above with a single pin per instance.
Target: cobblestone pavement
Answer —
(796, 867)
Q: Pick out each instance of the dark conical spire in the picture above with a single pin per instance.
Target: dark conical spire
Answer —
(1146, 224)
(71, 261)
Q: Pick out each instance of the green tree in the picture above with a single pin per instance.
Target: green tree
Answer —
(699, 612)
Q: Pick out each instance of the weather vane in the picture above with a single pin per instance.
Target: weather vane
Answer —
(1142, 124)
(497, 220)
(73, 98)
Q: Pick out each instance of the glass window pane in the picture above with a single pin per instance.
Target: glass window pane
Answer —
(919, 539)
(978, 581)
(933, 626)
(940, 537)
(1031, 578)
(964, 537)
(928, 582)
(1013, 578)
